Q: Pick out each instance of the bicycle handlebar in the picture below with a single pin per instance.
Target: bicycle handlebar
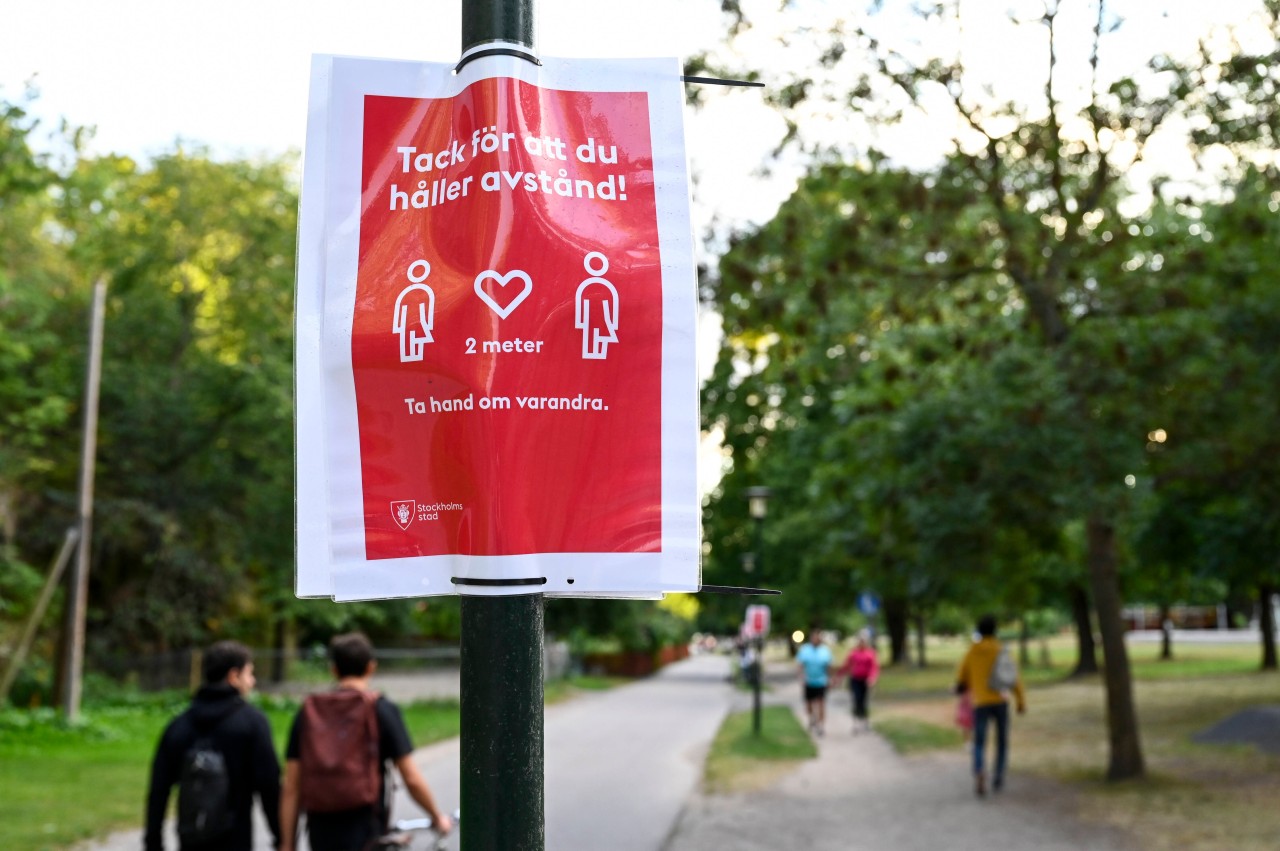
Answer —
(423, 823)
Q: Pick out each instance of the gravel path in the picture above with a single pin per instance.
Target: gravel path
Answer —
(860, 795)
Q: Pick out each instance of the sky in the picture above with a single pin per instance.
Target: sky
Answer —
(233, 75)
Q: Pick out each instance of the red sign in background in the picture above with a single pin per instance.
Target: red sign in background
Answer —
(499, 182)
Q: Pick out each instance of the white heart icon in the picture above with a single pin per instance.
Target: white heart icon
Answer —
(503, 280)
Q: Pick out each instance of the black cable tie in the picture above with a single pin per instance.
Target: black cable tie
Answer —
(744, 592)
(716, 81)
(498, 583)
(497, 51)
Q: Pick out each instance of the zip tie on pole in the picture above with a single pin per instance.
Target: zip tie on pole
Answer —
(716, 81)
(744, 592)
(504, 48)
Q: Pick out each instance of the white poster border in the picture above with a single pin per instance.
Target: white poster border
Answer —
(331, 548)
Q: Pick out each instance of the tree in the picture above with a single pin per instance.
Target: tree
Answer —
(195, 448)
(41, 337)
(1048, 182)
(1214, 454)
(893, 406)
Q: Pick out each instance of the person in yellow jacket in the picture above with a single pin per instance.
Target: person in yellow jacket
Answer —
(988, 675)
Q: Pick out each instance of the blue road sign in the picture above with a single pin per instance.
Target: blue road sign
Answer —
(868, 603)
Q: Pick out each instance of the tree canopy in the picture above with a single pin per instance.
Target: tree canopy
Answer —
(958, 375)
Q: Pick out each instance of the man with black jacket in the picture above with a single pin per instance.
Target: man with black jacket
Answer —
(220, 722)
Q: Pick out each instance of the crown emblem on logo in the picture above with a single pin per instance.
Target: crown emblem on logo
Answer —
(402, 512)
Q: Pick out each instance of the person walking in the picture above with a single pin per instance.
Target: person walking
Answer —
(336, 759)
(814, 663)
(220, 754)
(990, 677)
(863, 669)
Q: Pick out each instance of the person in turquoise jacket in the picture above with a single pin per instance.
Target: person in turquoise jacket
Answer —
(814, 660)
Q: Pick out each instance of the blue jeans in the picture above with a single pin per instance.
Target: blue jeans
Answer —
(998, 712)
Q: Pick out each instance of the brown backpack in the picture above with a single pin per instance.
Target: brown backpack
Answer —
(338, 751)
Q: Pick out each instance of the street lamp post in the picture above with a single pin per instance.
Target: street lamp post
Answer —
(758, 506)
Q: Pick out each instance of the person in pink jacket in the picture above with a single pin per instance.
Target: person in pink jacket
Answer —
(862, 668)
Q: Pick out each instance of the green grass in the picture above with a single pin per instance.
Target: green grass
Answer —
(1053, 659)
(557, 691)
(911, 735)
(740, 760)
(431, 720)
(1192, 660)
(63, 784)
(100, 765)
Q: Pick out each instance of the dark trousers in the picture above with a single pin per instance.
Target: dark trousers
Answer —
(859, 689)
(998, 712)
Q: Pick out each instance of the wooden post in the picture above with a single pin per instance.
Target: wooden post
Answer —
(78, 603)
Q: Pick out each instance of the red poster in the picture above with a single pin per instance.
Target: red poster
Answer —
(496, 331)
(508, 327)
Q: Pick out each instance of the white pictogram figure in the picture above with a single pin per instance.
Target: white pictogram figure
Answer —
(596, 309)
(413, 342)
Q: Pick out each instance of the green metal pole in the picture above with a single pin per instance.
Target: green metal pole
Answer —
(501, 787)
(502, 751)
(497, 20)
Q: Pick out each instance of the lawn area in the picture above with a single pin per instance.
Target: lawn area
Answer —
(557, 691)
(1197, 797)
(740, 760)
(1052, 660)
(63, 784)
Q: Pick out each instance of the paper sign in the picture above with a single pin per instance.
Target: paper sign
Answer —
(757, 621)
(496, 288)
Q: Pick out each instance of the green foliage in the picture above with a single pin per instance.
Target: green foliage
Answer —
(194, 475)
(610, 625)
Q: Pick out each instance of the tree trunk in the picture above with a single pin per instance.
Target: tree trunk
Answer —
(60, 649)
(895, 623)
(1267, 625)
(1166, 633)
(1024, 643)
(1086, 650)
(1122, 717)
(285, 650)
(921, 662)
(1232, 610)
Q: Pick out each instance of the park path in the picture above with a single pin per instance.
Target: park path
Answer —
(623, 769)
(860, 795)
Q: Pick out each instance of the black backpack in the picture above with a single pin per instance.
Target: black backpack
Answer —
(204, 796)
